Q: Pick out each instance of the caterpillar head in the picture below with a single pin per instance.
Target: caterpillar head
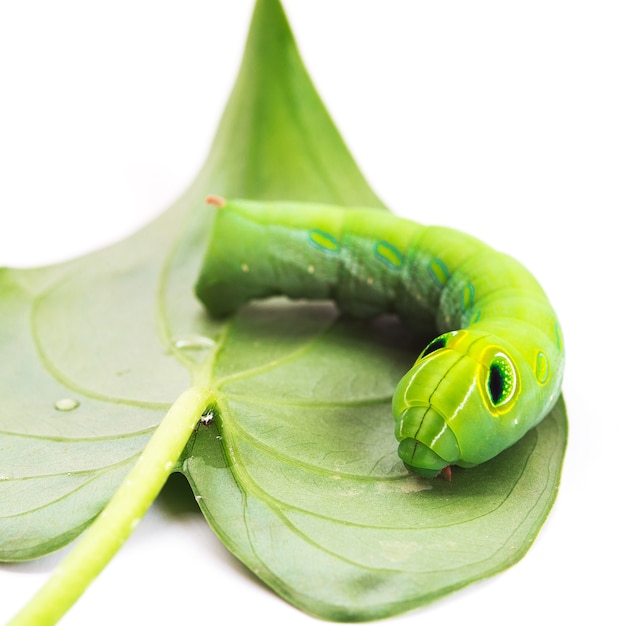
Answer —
(458, 405)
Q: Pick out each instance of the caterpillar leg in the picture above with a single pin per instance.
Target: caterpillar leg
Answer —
(446, 472)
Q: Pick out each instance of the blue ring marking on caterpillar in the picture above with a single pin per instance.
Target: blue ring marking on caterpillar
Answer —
(467, 297)
(559, 336)
(388, 254)
(323, 241)
(542, 367)
(438, 272)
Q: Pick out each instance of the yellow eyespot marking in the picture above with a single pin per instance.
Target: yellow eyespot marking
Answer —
(388, 254)
(542, 367)
(323, 240)
(438, 272)
(310, 269)
(370, 281)
(244, 267)
(501, 385)
(502, 380)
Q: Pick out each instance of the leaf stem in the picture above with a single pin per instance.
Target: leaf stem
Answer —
(120, 516)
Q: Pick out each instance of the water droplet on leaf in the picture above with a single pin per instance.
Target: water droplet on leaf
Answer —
(193, 342)
(66, 404)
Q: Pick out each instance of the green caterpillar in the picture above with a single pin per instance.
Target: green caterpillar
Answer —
(493, 373)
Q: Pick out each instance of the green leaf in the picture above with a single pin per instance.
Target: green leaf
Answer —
(276, 139)
(61, 337)
(297, 472)
(110, 330)
(308, 490)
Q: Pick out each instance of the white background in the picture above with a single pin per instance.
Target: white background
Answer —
(504, 119)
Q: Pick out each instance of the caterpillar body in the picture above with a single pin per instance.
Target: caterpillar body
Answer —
(493, 373)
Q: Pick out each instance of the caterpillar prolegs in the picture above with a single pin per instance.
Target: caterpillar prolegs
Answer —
(493, 373)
